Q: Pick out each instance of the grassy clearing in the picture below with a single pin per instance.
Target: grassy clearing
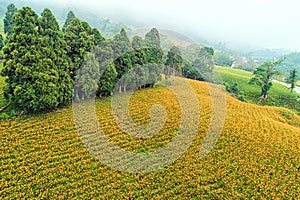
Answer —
(279, 95)
(257, 155)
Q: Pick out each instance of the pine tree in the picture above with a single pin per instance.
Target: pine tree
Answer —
(139, 55)
(55, 48)
(8, 20)
(69, 20)
(123, 54)
(152, 39)
(292, 79)
(154, 53)
(105, 55)
(174, 62)
(263, 76)
(87, 78)
(1, 42)
(98, 38)
(205, 63)
(80, 42)
(31, 83)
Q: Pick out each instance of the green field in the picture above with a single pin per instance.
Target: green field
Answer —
(279, 95)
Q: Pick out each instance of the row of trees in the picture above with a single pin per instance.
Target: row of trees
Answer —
(43, 62)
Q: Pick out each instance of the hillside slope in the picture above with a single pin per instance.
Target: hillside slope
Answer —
(256, 156)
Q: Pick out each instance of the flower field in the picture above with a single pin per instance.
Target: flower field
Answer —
(257, 155)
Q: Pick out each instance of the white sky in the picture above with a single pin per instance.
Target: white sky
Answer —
(261, 23)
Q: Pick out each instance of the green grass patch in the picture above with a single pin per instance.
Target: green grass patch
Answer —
(279, 95)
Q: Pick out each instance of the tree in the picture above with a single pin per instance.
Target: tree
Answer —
(154, 53)
(152, 39)
(205, 63)
(223, 59)
(98, 38)
(54, 48)
(31, 81)
(124, 57)
(104, 54)
(139, 55)
(69, 20)
(80, 41)
(263, 76)
(174, 62)
(8, 20)
(87, 78)
(292, 79)
(189, 71)
(1, 42)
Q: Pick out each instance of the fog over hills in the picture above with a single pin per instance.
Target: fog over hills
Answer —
(242, 25)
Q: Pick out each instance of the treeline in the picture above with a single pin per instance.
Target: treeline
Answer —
(43, 63)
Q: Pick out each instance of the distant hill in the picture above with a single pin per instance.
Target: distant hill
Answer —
(168, 37)
(292, 61)
(107, 27)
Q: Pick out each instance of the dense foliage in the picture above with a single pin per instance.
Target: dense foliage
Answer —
(9, 20)
(263, 77)
(292, 79)
(36, 64)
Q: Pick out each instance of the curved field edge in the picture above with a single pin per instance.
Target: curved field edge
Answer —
(256, 156)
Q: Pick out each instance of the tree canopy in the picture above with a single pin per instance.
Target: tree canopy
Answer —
(263, 76)
(9, 20)
(292, 79)
(69, 20)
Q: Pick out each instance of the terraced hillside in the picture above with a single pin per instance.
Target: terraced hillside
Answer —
(256, 156)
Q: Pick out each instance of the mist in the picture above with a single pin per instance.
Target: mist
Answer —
(256, 23)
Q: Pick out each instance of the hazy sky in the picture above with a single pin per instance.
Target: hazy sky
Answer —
(257, 23)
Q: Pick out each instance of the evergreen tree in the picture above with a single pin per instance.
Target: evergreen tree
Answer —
(105, 56)
(205, 63)
(31, 82)
(54, 48)
(1, 42)
(174, 62)
(80, 42)
(98, 38)
(69, 20)
(152, 39)
(139, 55)
(292, 79)
(190, 71)
(137, 43)
(263, 76)
(8, 20)
(87, 79)
(154, 53)
(123, 54)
